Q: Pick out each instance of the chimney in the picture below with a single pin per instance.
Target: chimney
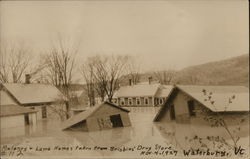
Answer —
(130, 82)
(149, 80)
(27, 78)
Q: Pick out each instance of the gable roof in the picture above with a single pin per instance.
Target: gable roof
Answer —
(33, 93)
(139, 90)
(84, 115)
(164, 91)
(220, 95)
(10, 110)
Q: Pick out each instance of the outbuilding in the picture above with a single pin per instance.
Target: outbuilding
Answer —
(190, 102)
(16, 116)
(100, 117)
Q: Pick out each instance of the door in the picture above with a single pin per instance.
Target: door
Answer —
(116, 120)
(44, 112)
(172, 112)
(26, 119)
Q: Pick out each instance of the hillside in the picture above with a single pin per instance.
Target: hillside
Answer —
(233, 71)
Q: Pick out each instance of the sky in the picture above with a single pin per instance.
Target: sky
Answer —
(160, 34)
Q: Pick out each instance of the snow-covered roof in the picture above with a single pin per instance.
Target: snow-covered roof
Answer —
(139, 90)
(34, 93)
(10, 110)
(84, 115)
(220, 97)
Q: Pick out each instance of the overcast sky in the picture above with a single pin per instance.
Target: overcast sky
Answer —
(161, 34)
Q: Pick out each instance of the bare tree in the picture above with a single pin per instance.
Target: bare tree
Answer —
(14, 62)
(109, 71)
(87, 71)
(134, 70)
(60, 63)
(165, 77)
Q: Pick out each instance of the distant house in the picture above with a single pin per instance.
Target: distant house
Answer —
(103, 116)
(16, 116)
(188, 102)
(41, 97)
(142, 94)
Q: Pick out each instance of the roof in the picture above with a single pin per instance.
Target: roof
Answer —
(10, 110)
(77, 93)
(84, 115)
(220, 95)
(34, 93)
(164, 91)
(139, 90)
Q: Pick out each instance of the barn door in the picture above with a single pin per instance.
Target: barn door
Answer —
(116, 120)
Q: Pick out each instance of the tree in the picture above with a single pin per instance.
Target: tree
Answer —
(133, 70)
(60, 63)
(87, 71)
(15, 61)
(165, 77)
(104, 74)
(218, 119)
(109, 71)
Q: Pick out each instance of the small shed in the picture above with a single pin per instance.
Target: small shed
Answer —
(16, 116)
(103, 116)
(188, 102)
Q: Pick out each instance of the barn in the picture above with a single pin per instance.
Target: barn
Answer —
(44, 98)
(16, 116)
(186, 103)
(100, 117)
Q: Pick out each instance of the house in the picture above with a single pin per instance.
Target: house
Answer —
(193, 102)
(44, 98)
(142, 94)
(16, 116)
(103, 116)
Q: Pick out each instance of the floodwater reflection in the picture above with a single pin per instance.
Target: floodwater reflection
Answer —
(143, 131)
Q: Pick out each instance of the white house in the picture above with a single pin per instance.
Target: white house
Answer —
(142, 94)
(45, 99)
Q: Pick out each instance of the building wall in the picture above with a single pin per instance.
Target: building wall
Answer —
(12, 121)
(142, 99)
(5, 99)
(32, 118)
(103, 115)
(52, 111)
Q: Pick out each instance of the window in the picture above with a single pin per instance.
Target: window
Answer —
(161, 101)
(191, 108)
(146, 101)
(115, 101)
(122, 101)
(138, 101)
(130, 101)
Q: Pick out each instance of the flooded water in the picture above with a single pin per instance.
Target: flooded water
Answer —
(143, 136)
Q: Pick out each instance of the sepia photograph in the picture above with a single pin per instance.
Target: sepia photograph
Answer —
(124, 79)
